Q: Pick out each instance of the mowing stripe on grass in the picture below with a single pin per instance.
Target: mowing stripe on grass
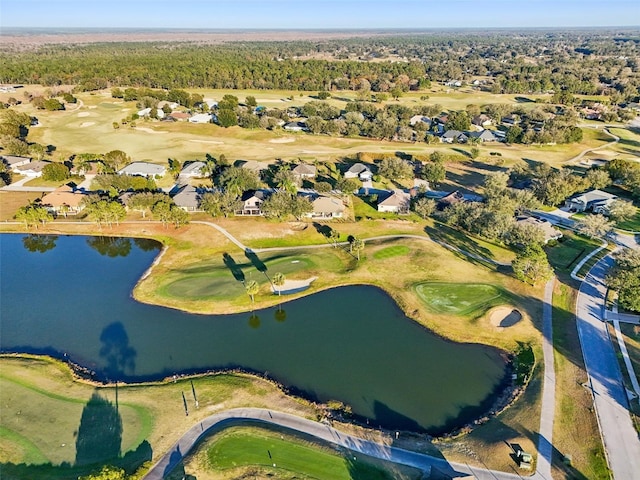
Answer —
(33, 455)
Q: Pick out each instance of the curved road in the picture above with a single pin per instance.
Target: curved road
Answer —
(321, 431)
(620, 438)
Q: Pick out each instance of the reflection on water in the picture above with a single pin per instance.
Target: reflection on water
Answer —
(351, 344)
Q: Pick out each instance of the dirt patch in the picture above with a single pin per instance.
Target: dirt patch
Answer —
(283, 140)
(504, 316)
(87, 124)
(83, 114)
(213, 142)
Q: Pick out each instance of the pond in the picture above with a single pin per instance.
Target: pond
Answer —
(70, 297)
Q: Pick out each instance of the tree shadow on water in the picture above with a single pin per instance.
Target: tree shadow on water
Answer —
(117, 352)
(100, 432)
(110, 246)
(39, 243)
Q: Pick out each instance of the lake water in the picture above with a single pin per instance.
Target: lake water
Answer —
(71, 296)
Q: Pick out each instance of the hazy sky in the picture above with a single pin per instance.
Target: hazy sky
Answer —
(318, 14)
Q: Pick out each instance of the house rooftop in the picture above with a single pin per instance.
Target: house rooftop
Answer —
(64, 195)
(35, 166)
(396, 198)
(304, 169)
(593, 195)
(143, 168)
(324, 204)
(13, 159)
(192, 168)
(358, 168)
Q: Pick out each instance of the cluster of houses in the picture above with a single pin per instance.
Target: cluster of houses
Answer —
(24, 166)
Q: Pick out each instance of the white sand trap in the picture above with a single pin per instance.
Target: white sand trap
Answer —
(293, 286)
(83, 114)
(213, 142)
(92, 106)
(504, 316)
(87, 124)
(125, 109)
(147, 130)
(283, 140)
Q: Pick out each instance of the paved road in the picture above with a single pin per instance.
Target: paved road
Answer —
(616, 139)
(620, 439)
(547, 411)
(321, 431)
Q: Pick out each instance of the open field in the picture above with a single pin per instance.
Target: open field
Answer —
(570, 249)
(266, 452)
(156, 141)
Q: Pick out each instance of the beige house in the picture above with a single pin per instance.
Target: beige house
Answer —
(64, 200)
(327, 207)
(31, 169)
(397, 201)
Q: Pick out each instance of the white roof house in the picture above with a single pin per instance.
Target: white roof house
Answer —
(31, 169)
(193, 170)
(143, 169)
(201, 118)
(304, 170)
(595, 200)
(14, 160)
(359, 170)
(144, 112)
(327, 207)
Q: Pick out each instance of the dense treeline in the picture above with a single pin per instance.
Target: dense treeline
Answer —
(575, 62)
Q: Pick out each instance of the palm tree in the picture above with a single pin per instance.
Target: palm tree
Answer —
(357, 245)
(252, 288)
(334, 235)
(278, 281)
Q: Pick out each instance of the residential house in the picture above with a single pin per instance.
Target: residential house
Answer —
(453, 83)
(31, 169)
(172, 105)
(483, 136)
(180, 116)
(201, 118)
(510, 120)
(596, 201)
(252, 165)
(65, 200)
(413, 121)
(144, 112)
(304, 170)
(193, 170)
(481, 120)
(14, 160)
(454, 136)
(397, 201)
(450, 199)
(251, 201)
(188, 198)
(143, 169)
(296, 127)
(359, 170)
(327, 207)
(550, 232)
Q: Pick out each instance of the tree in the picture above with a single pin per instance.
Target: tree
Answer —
(334, 236)
(227, 118)
(514, 134)
(250, 101)
(143, 202)
(625, 278)
(116, 159)
(323, 95)
(495, 183)
(286, 180)
(174, 167)
(105, 211)
(357, 244)
(395, 168)
(424, 207)
(278, 280)
(55, 172)
(458, 121)
(32, 215)
(598, 178)
(37, 151)
(347, 185)
(238, 180)
(621, 210)
(252, 289)
(220, 202)
(595, 226)
(434, 172)
(162, 211)
(396, 93)
(531, 265)
(53, 104)
(524, 234)
(106, 473)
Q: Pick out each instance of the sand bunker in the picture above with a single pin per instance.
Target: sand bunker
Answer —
(292, 286)
(148, 130)
(503, 317)
(87, 124)
(83, 114)
(213, 142)
(283, 140)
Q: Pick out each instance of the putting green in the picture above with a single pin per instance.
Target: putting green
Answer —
(389, 252)
(214, 280)
(284, 455)
(459, 298)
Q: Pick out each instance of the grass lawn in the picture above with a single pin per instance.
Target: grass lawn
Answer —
(569, 250)
(10, 202)
(274, 453)
(459, 298)
(575, 434)
(42, 408)
(631, 225)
